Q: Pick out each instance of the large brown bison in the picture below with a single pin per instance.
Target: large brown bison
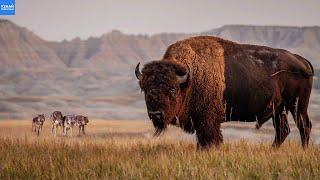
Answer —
(204, 81)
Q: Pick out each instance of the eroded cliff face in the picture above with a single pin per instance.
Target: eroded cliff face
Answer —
(20, 48)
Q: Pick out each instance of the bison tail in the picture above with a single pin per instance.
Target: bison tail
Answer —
(312, 70)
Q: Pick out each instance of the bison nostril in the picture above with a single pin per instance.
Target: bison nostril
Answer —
(155, 115)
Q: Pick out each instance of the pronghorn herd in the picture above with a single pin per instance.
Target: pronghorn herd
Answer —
(58, 121)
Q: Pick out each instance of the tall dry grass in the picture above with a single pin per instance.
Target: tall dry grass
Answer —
(125, 150)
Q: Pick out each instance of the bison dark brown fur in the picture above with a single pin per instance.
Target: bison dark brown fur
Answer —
(204, 81)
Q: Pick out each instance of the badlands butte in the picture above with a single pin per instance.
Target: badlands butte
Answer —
(96, 75)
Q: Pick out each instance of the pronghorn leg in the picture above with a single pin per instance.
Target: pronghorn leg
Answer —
(54, 130)
(65, 131)
(61, 130)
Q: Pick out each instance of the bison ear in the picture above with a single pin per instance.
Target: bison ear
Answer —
(184, 76)
(184, 80)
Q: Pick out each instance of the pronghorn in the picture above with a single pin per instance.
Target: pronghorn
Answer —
(37, 123)
(69, 121)
(81, 122)
(57, 121)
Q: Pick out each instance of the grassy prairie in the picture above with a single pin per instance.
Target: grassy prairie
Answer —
(126, 150)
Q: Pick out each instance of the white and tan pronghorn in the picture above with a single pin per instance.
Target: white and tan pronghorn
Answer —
(37, 123)
(57, 121)
(82, 121)
(71, 121)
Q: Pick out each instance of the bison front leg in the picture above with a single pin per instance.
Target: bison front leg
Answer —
(281, 126)
(208, 132)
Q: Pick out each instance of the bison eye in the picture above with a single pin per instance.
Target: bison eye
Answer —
(172, 92)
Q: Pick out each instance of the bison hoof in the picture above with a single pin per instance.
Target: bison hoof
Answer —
(258, 126)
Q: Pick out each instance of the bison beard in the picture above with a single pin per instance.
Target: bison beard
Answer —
(159, 127)
(204, 81)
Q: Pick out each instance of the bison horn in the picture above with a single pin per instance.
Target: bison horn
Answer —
(183, 79)
(137, 71)
(177, 120)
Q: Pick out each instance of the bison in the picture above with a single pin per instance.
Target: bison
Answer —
(37, 123)
(204, 81)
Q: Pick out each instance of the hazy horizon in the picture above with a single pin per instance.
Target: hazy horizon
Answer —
(96, 17)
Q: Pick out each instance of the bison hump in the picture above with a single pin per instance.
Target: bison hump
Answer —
(266, 55)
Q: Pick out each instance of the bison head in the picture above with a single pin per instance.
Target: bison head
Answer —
(164, 84)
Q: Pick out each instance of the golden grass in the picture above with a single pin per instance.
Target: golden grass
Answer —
(126, 150)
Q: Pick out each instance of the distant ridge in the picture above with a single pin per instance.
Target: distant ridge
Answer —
(22, 48)
(95, 76)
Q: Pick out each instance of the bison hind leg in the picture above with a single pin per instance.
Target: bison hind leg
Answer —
(301, 118)
(305, 129)
(281, 126)
(304, 125)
